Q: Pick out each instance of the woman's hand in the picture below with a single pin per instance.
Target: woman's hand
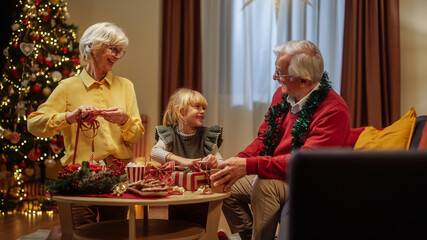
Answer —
(115, 115)
(88, 113)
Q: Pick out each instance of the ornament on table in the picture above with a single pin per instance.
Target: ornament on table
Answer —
(34, 154)
(21, 109)
(15, 26)
(29, 171)
(26, 48)
(36, 88)
(49, 162)
(46, 91)
(56, 76)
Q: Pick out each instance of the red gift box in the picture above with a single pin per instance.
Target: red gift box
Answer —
(191, 181)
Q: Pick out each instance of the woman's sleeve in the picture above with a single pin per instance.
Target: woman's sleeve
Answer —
(49, 119)
(132, 130)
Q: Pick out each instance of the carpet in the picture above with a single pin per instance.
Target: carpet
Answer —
(40, 234)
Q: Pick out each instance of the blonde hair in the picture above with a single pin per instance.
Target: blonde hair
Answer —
(180, 100)
(306, 61)
(98, 34)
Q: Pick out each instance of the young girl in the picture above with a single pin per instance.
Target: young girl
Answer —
(182, 138)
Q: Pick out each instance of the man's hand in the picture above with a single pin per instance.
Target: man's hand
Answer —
(232, 170)
(115, 115)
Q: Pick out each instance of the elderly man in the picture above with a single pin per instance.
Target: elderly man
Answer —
(305, 113)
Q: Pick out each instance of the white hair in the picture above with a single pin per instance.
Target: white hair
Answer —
(98, 34)
(306, 59)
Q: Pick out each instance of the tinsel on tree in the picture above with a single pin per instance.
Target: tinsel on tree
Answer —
(42, 50)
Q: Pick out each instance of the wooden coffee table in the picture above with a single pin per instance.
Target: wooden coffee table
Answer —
(142, 228)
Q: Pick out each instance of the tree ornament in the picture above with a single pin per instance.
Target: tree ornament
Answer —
(40, 58)
(15, 26)
(64, 50)
(15, 167)
(23, 164)
(35, 67)
(63, 39)
(11, 91)
(3, 158)
(57, 144)
(7, 133)
(46, 91)
(56, 76)
(34, 154)
(33, 77)
(6, 52)
(29, 171)
(65, 72)
(2, 130)
(26, 48)
(21, 109)
(36, 88)
(49, 162)
(14, 137)
(23, 59)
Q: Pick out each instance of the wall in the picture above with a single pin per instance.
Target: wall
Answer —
(141, 21)
(413, 49)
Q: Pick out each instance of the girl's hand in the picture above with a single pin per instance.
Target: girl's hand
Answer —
(211, 161)
(115, 115)
(84, 112)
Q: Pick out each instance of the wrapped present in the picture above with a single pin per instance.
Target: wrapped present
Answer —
(162, 173)
(191, 181)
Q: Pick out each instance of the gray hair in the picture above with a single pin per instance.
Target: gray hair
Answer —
(98, 34)
(306, 59)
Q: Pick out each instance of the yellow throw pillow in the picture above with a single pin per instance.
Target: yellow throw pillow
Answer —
(394, 137)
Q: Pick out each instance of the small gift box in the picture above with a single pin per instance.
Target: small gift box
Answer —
(135, 172)
(191, 181)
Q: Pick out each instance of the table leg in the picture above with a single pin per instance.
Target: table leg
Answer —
(66, 218)
(132, 222)
(212, 222)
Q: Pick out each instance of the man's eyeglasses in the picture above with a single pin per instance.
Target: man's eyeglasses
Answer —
(117, 52)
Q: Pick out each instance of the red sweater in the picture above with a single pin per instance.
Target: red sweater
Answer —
(329, 127)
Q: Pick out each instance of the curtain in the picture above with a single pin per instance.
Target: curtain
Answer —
(238, 58)
(371, 62)
(181, 46)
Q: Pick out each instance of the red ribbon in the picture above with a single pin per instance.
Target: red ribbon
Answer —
(163, 173)
(91, 124)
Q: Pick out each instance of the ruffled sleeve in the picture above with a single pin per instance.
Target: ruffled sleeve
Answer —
(213, 138)
(166, 134)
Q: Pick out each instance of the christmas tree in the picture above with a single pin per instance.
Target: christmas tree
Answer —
(42, 50)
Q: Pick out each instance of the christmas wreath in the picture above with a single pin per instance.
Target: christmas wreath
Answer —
(87, 179)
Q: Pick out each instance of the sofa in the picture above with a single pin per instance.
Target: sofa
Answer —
(388, 222)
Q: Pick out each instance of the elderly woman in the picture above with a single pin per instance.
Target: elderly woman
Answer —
(95, 93)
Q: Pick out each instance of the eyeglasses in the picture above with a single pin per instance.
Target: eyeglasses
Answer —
(276, 75)
(115, 51)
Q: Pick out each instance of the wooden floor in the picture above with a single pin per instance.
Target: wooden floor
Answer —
(13, 226)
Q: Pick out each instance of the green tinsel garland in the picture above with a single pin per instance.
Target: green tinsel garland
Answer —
(299, 131)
